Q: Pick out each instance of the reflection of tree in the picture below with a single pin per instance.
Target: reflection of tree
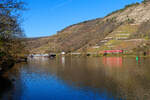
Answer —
(15, 76)
(5, 87)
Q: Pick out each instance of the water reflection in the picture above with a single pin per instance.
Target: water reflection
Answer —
(63, 60)
(73, 78)
(113, 61)
(5, 88)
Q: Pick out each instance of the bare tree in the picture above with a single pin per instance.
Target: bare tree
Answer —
(10, 28)
(9, 18)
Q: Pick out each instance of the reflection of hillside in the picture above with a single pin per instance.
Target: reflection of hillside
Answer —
(119, 76)
(128, 81)
(115, 76)
(76, 72)
(82, 73)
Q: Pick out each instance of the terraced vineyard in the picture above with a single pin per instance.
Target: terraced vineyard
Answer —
(126, 29)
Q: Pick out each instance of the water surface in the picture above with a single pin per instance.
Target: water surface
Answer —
(80, 78)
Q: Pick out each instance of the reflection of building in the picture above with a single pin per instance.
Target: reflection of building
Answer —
(63, 60)
(63, 53)
(112, 61)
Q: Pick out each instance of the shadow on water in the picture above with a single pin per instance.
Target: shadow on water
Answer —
(5, 87)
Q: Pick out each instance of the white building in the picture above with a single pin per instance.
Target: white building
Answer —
(63, 53)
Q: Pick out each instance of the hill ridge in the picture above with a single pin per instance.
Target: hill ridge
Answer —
(128, 24)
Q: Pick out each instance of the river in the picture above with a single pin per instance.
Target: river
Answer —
(79, 78)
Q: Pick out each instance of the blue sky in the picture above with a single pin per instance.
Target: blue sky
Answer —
(46, 17)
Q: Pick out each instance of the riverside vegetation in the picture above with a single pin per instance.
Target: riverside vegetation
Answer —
(11, 46)
(126, 29)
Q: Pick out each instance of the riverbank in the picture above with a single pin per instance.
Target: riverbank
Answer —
(7, 61)
(108, 55)
(92, 55)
